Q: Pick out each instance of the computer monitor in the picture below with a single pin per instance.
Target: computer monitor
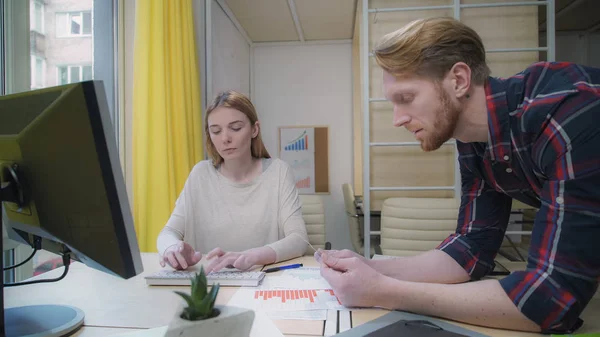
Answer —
(62, 184)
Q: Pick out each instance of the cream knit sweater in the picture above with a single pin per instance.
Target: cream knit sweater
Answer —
(213, 211)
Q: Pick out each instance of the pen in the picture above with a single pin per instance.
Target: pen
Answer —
(291, 266)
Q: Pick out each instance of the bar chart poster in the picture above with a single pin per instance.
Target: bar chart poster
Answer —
(303, 166)
(297, 140)
(305, 149)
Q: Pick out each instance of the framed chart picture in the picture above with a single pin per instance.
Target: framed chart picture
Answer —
(306, 150)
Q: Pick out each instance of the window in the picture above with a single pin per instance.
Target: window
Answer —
(74, 24)
(54, 58)
(38, 71)
(36, 19)
(72, 74)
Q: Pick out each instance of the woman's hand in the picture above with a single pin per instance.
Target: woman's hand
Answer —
(239, 260)
(180, 256)
(221, 259)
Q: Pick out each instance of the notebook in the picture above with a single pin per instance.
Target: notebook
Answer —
(224, 278)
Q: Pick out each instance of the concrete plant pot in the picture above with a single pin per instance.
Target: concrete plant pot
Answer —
(230, 322)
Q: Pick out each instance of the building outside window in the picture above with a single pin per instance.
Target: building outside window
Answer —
(63, 46)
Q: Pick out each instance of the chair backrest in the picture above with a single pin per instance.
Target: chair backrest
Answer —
(313, 212)
(353, 219)
(410, 226)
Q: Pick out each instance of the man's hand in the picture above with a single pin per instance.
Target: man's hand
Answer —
(353, 281)
(222, 259)
(344, 253)
(180, 256)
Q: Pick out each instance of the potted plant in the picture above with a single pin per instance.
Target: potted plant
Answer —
(201, 317)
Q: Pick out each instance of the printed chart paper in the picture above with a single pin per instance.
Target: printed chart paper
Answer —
(300, 278)
(304, 315)
(285, 299)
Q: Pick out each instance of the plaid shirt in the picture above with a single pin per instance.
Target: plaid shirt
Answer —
(543, 149)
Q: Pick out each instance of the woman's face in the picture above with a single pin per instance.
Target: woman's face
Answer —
(231, 132)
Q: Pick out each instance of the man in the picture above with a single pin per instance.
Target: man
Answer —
(534, 137)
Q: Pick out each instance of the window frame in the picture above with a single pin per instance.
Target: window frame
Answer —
(34, 74)
(68, 28)
(41, 29)
(69, 68)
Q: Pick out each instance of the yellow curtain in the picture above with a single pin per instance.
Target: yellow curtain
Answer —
(167, 130)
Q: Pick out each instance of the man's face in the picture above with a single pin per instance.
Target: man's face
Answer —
(423, 107)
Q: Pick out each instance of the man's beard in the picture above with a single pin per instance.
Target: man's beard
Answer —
(445, 123)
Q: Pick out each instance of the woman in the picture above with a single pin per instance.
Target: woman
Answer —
(241, 206)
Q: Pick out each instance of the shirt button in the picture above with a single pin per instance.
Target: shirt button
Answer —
(559, 200)
(509, 170)
(506, 157)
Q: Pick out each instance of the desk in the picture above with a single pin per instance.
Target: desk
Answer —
(113, 305)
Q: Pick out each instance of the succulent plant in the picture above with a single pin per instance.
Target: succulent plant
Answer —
(200, 302)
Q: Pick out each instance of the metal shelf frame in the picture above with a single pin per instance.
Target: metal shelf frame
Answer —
(366, 99)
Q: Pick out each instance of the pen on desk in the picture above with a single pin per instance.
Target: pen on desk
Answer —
(291, 266)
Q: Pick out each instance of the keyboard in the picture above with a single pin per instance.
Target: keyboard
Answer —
(224, 278)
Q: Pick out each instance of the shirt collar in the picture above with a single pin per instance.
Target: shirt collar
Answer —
(498, 145)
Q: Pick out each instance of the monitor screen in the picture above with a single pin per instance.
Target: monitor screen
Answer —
(58, 146)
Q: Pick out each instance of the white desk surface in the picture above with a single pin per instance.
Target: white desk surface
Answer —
(116, 306)
(127, 305)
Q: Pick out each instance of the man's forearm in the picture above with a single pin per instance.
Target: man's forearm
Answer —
(433, 266)
(481, 303)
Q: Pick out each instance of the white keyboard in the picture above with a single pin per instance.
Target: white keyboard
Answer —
(224, 278)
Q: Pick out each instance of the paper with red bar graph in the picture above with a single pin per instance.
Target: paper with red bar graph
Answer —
(285, 299)
(299, 278)
(304, 315)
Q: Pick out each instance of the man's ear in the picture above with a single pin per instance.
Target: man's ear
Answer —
(255, 129)
(461, 79)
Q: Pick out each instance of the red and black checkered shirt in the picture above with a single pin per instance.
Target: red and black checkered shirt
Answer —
(543, 149)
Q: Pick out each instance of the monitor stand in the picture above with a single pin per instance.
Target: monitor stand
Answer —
(34, 320)
(42, 320)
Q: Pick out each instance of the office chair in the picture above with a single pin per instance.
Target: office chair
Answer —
(355, 224)
(410, 226)
(313, 213)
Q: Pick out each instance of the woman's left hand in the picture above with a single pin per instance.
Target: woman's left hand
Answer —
(221, 259)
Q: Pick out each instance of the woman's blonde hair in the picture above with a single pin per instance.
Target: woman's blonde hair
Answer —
(235, 100)
(430, 47)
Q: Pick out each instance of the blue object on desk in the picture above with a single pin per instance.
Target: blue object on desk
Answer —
(291, 266)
